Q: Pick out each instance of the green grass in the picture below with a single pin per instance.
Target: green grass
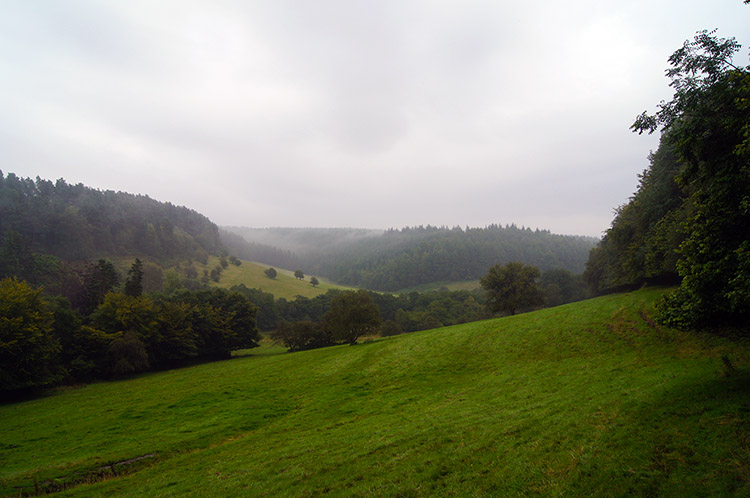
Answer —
(284, 285)
(468, 285)
(589, 398)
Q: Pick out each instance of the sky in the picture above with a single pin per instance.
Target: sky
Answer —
(348, 113)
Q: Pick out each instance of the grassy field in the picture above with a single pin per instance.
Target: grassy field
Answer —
(589, 398)
(284, 285)
(468, 285)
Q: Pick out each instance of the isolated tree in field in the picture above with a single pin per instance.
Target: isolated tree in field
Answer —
(352, 314)
(314, 281)
(270, 272)
(512, 287)
(299, 274)
(134, 282)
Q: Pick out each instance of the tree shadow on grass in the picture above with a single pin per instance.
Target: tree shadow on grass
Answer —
(692, 439)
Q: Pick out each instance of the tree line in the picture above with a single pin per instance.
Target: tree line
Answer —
(413, 256)
(75, 222)
(688, 221)
(116, 330)
(112, 328)
(303, 323)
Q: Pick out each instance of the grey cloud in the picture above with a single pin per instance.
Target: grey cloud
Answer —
(355, 113)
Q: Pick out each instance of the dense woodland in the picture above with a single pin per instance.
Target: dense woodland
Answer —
(399, 259)
(75, 222)
(45, 341)
(689, 220)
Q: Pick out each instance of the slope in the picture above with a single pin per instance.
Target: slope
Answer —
(284, 285)
(589, 398)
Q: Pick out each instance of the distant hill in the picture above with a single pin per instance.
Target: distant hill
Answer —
(397, 259)
(75, 222)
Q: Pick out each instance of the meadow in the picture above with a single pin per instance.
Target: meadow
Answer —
(284, 285)
(589, 398)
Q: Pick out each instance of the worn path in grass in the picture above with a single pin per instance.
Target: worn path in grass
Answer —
(583, 399)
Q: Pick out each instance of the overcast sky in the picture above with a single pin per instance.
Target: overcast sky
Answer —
(331, 113)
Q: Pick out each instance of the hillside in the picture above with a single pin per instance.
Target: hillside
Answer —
(285, 285)
(410, 257)
(589, 398)
(75, 222)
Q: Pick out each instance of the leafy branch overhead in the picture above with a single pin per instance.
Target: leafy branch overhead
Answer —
(697, 65)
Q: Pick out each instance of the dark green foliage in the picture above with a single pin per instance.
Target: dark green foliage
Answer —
(28, 347)
(44, 270)
(223, 321)
(352, 314)
(44, 341)
(641, 245)
(706, 126)
(83, 350)
(128, 354)
(74, 222)
(16, 258)
(153, 278)
(314, 281)
(268, 314)
(413, 256)
(270, 272)
(390, 328)
(299, 274)
(302, 335)
(560, 286)
(409, 312)
(512, 288)
(98, 279)
(215, 274)
(303, 308)
(134, 282)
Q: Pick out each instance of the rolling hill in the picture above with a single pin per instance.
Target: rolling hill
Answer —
(285, 285)
(394, 260)
(590, 398)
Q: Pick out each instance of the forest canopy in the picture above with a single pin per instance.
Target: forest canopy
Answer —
(75, 222)
(399, 259)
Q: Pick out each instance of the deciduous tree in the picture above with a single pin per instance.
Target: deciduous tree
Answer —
(707, 122)
(512, 287)
(28, 349)
(352, 314)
